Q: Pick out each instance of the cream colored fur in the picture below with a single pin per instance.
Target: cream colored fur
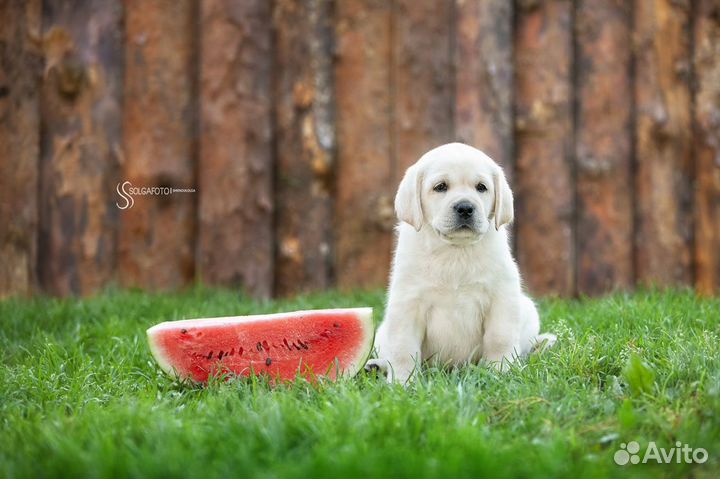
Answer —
(455, 293)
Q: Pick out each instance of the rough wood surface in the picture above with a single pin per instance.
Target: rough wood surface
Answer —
(664, 134)
(20, 71)
(295, 120)
(484, 78)
(235, 239)
(707, 146)
(80, 144)
(544, 181)
(422, 80)
(157, 233)
(364, 215)
(603, 147)
(305, 145)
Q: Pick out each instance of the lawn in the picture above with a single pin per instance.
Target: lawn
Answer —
(81, 396)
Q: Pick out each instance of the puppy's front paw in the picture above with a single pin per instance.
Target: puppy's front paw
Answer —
(377, 365)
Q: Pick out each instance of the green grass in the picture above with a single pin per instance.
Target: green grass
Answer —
(81, 396)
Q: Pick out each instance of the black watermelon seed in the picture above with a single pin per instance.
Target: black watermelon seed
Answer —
(268, 362)
(183, 331)
(259, 346)
(336, 325)
(209, 356)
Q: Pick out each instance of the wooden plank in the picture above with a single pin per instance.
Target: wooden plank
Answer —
(422, 79)
(235, 238)
(305, 145)
(544, 183)
(707, 146)
(664, 134)
(20, 70)
(156, 242)
(364, 214)
(603, 143)
(80, 144)
(484, 78)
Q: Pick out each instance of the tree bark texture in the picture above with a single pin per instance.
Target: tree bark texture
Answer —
(664, 142)
(484, 78)
(543, 127)
(157, 247)
(305, 164)
(235, 170)
(80, 145)
(603, 147)
(422, 80)
(364, 212)
(20, 72)
(707, 146)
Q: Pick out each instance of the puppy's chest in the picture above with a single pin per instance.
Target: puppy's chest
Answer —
(454, 327)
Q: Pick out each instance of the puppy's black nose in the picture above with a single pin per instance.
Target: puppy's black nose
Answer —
(464, 209)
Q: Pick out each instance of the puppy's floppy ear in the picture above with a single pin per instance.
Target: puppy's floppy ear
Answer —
(504, 211)
(407, 201)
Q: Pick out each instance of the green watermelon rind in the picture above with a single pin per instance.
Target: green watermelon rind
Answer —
(364, 315)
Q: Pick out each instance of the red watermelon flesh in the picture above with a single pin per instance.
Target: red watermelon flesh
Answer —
(325, 342)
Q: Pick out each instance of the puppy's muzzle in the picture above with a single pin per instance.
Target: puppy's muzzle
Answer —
(464, 211)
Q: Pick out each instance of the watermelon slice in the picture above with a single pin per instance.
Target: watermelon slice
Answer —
(324, 342)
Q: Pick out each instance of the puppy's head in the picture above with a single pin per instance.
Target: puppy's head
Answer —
(456, 190)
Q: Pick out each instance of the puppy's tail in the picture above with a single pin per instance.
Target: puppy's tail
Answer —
(544, 341)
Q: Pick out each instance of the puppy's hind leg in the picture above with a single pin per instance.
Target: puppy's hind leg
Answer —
(533, 340)
(544, 341)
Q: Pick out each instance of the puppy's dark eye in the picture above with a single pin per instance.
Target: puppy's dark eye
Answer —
(481, 188)
(440, 187)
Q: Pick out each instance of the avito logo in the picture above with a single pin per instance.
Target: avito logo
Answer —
(681, 453)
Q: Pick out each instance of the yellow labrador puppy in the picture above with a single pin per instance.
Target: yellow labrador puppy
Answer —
(455, 293)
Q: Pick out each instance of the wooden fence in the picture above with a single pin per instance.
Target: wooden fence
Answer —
(294, 121)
